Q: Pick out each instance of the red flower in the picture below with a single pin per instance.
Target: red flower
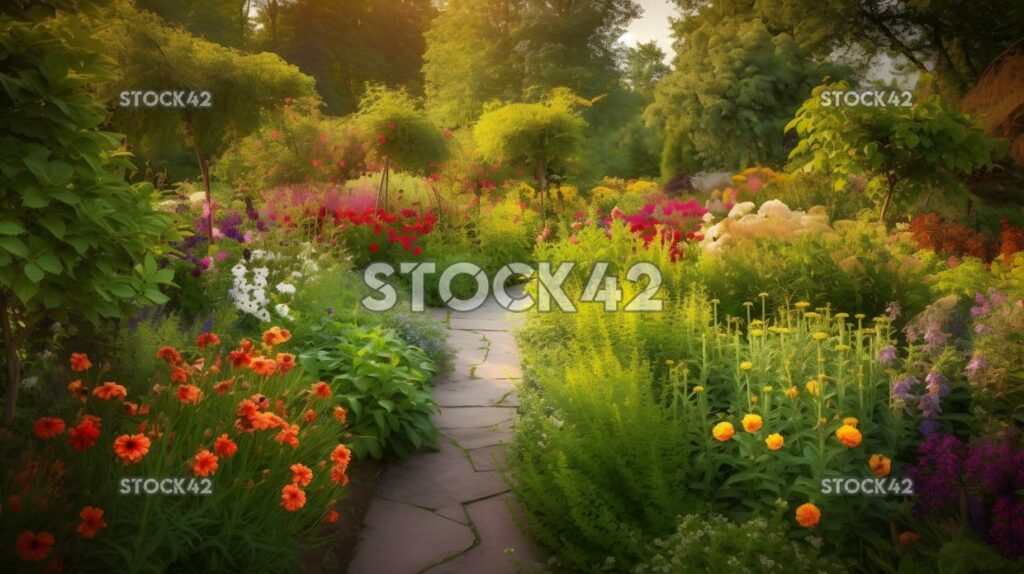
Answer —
(169, 354)
(80, 362)
(417, 250)
(341, 455)
(309, 416)
(207, 339)
(223, 387)
(289, 436)
(374, 248)
(292, 498)
(84, 435)
(110, 391)
(263, 367)
(131, 448)
(189, 394)
(48, 427)
(322, 390)
(340, 413)
(179, 375)
(285, 362)
(204, 463)
(225, 446)
(240, 358)
(34, 547)
(92, 522)
(78, 390)
(331, 517)
(301, 474)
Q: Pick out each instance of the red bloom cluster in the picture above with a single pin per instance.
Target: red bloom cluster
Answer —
(930, 231)
(403, 228)
(670, 219)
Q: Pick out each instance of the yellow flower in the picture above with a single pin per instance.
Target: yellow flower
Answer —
(766, 389)
(774, 441)
(808, 515)
(715, 301)
(859, 316)
(848, 435)
(756, 322)
(842, 347)
(784, 330)
(753, 399)
(880, 465)
(792, 392)
(842, 315)
(802, 304)
(723, 431)
(746, 365)
(757, 332)
(820, 336)
(748, 304)
(670, 362)
(752, 423)
(812, 315)
(762, 294)
(698, 389)
(811, 387)
(851, 421)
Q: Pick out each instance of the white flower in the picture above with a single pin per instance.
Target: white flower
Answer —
(239, 271)
(741, 209)
(258, 254)
(283, 310)
(296, 274)
(286, 288)
(263, 315)
(774, 208)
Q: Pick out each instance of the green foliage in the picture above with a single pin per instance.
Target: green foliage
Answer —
(715, 544)
(400, 132)
(384, 383)
(806, 190)
(926, 145)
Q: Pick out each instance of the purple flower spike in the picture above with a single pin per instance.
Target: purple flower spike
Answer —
(887, 354)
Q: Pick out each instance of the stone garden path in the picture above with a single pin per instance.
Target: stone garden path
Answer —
(450, 511)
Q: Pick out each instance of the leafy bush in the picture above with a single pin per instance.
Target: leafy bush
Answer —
(383, 382)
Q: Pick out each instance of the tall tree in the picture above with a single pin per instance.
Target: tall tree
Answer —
(645, 67)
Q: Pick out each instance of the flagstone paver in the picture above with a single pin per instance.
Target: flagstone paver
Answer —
(450, 511)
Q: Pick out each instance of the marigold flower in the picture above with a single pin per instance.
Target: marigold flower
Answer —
(301, 474)
(189, 394)
(179, 375)
(338, 474)
(812, 387)
(322, 390)
(225, 446)
(131, 448)
(204, 463)
(77, 389)
(224, 386)
(880, 465)
(276, 335)
(752, 423)
(285, 362)
(169, 354)
(851, 421)
(240, 358)
(262, 366)
(309, 416)
(723, 431)
(207, 339)
(247, 408)
(331, 517)
(340, 414)
(84, 435)
(774, 441)
(746, 365)
(289, 436)
(808, 515)
(80, 362)
(792, 392)
(48, 427)
(341, 454)
(908, 539)
(109, 390)
(92, 522)
(292, 498)
(34, 547)
(848, 435)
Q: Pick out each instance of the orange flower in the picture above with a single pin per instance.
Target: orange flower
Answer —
(285, 362)
(204, 463)
(808, 515)
(792, 392)
(247, 408)
(292, 498)
(262, 366)
(261, 400)
(84, 435)
(92, 522)
(848, 435)
(224, 386)
(723, 431)
(309, 416)
(331, 517)
(774, 441)
(289, 436)
(322, 390)
(880, 465)
(340, 413)
(207, 339)
(301, 474)
(189, 394)
(239, 358)
(752, 423)
(179, 375)
(341, 454)
(245, 345)
(34, 547)
(225, 446)
(908, 539)
(109, 391)
(48, 427)
(851, 421)
(276, 335)
(80, 362)
(131, 448)
(338, 475)
(169, 354)
(78, 390)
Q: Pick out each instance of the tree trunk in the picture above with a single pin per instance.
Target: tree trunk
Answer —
(382, 191)
(204, 168)
(542, 187)
(888, 199)
(13, 357)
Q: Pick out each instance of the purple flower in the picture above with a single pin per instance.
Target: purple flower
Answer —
(205, 263)
(894, 310)
(929, 405)
(976, 364)
(1008, 525)
(935, 384)
(887, 354)
(982, 329)
(221, 255)
(935, 338)
(936, 475)
(929, 427)
(902, 389)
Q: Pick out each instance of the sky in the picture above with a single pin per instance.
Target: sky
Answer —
(653, 25)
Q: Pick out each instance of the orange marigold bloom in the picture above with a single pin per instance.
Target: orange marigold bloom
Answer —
(774, 441)
(34, 547)
(80, 362)
(261, 400)
(77, 389)
(338, 475)
(792, 392)
(179, 375)
(331, 517)
(245, 345)
(84, 435)
(322, 390)
(723, 431)
(808, 515)
(48, 427)
(225, 446)
(224, 387)
(109, 390)
(880, 465)
(189, 394)
(247, 408)
(851, 421)
(341, 454)
(240, 358)
(131, 448)
(276, 335)
(207, 339)
(262, 366)
(848, 435)
(752, 423)
(204, 463)
(289, 436)
(309, 416)
(292, 498)
(285, 362)
(340, 413)
(169, 354)
(92, 522)
(908, 539)
(301, 474)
